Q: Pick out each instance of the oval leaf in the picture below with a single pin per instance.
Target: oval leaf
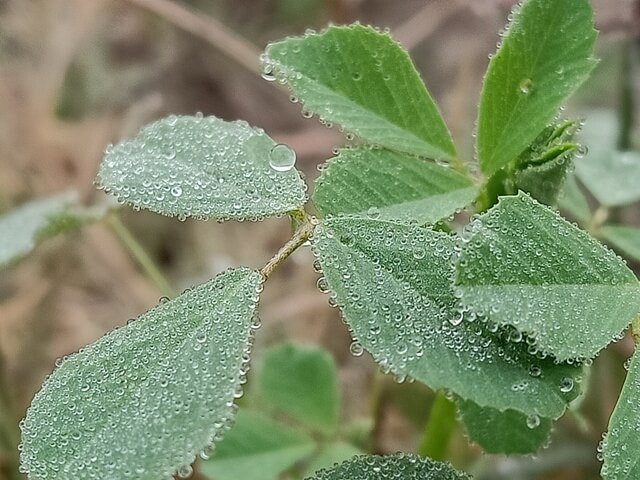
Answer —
(622, 443)
(203, 168)
(142, 401)
(524, 265)
(363, 80)
(545, 56)
(391, 467)
(302, 381)
(393, 284)
(257, 448)
(508, 432)
(390, 185)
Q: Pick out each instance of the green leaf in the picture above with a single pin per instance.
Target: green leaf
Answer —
(621, 444)
(366, 180)
(508, 432)
(399, 466)
(302, 381)
(573, 200)
(203, 168)
(524, 265)
(363, 80)
(332, 455)
(142, 401)
(257, 448)
(545, 56)
(626, 239)
(393, 284)
(36, 221)
(613, 178)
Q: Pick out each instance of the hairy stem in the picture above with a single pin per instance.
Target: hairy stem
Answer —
(439, 428)
(138, 252)
(301, 235)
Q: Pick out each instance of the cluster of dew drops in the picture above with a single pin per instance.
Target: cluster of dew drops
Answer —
(203, 167)
(208, 310)
(392, 467)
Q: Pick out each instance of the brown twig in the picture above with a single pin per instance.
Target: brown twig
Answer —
(426, 21)
(207, 28)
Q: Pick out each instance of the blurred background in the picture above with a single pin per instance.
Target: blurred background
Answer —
(76, 75)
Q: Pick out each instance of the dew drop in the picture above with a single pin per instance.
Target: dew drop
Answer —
(533, 421)
(525, 86)
(282, 158)
(566, 385)
(356, 349)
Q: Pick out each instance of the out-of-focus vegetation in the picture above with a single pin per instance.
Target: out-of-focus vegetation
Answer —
(77, 75)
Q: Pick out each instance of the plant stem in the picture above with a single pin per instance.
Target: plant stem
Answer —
(138, 252)
(439, 428)
(301, 235)
(599, 217)
(635, 330)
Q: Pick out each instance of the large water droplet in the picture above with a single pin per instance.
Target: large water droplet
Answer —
(282, 158)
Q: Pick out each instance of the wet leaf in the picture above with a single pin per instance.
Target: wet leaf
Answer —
(392, 467)
(620, 446)
(545, 56)
(508, 432)
(257, 448)
(302, 381)
(393, 284)
(203, 168)
(362, 79)
(389, 185)
(573, 200)
(142, 401)
(524, 265)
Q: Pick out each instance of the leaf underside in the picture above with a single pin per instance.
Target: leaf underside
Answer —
(142, 401)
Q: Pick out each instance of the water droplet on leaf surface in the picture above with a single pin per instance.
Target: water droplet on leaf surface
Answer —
(282, 158)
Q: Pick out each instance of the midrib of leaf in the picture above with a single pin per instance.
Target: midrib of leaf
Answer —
(89, 446)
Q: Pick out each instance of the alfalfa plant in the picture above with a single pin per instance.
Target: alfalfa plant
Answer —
(504, 315)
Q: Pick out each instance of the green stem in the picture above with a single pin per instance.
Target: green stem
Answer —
(9, 435)
(138, 252)
(439, 429)
(301, 235)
